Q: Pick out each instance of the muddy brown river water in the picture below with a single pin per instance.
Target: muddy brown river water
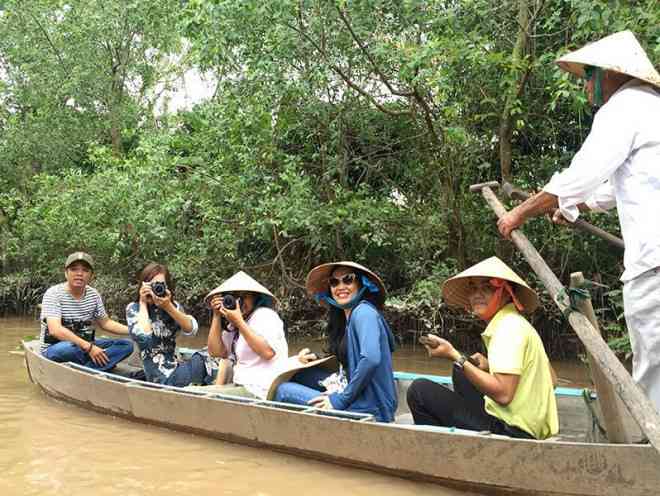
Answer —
(49, 447)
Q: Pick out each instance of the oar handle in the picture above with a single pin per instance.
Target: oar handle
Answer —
(581, 224)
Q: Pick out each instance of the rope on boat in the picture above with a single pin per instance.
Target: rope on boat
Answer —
(571, 298)
(597, 433)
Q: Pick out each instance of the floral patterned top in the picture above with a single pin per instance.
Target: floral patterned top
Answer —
(157, 348)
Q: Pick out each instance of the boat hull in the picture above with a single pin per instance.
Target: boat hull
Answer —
(489, 463)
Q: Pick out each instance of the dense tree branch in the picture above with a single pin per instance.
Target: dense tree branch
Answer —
(50, 42)
(413, 94)
(342, 74)
(367, 54)
(519, 56)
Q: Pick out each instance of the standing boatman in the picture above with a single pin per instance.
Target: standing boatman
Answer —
(617, 165)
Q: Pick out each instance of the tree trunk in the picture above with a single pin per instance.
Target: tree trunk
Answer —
(115, 137)
(517, 85)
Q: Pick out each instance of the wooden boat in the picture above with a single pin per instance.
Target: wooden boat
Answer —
(566, 465)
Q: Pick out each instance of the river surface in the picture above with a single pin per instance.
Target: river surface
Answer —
(48, 447)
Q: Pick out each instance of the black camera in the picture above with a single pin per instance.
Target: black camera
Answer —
(229, 301)
(77, 326)
(159, 288)
(83, 328)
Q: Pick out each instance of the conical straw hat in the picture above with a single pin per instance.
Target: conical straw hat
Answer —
(293, 366)
(455, 290)
(317, 279)
(239, 282)
(619, 52)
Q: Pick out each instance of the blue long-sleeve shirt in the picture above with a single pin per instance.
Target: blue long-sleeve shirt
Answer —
(369, 347)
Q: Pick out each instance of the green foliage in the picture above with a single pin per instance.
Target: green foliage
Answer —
(619, 339)
(77, 73)
(338, 130)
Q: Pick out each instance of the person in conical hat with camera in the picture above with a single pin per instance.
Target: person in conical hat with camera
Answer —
(511, 390)
(617, 166)
(246, 330)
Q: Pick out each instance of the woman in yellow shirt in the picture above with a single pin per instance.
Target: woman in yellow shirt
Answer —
(510, 392)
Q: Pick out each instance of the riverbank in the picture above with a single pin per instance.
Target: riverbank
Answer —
(304, 319)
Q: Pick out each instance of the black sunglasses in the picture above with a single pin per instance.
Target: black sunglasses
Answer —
(347, 279)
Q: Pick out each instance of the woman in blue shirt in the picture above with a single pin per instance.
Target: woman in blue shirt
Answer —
(360, 339)
(154, 320)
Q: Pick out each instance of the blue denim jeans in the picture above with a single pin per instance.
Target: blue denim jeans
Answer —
(192, 371)
(303, 386)
(66, 351)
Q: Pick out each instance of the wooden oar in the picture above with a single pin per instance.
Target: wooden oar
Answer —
(583, 225)
(638, 404)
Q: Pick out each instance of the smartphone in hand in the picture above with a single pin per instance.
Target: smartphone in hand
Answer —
(426, 341)
(432, 343)
(473, 361)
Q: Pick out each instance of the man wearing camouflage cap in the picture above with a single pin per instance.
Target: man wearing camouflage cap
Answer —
(617, 166)
(69, 312)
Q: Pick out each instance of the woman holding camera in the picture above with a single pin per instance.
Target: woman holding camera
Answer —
(154, 320)
(360, 339)
(248, 332)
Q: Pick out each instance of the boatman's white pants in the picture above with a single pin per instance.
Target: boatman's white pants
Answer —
(641, 301)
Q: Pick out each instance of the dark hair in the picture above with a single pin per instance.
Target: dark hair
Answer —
(336, 328)
(260, 300)
(151, 270)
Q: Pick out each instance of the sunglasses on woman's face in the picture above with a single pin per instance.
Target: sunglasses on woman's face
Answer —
(346, 279)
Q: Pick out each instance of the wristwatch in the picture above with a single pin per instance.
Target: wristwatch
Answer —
(460, 361)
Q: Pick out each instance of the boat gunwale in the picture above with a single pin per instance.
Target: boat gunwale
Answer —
(292, 408)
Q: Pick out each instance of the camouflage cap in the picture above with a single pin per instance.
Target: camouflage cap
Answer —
(79, 256)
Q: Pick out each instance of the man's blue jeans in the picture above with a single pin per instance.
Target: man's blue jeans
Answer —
(304, 386)
(66, 351)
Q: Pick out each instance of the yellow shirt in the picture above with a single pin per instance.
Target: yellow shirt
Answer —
(514, 347)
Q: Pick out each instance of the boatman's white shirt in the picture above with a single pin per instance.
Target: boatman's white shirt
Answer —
(619, 165)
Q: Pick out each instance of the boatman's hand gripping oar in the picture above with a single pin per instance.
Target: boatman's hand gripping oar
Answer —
(557, 217)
